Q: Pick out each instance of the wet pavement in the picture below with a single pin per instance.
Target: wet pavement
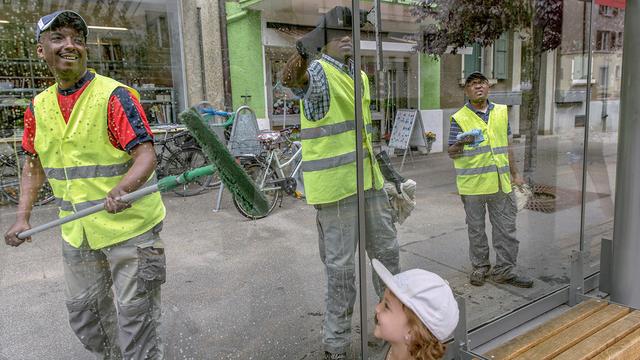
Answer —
(240, 289)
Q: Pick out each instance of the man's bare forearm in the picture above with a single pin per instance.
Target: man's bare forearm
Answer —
(144, 163)
(455, 150)
(513, 168)
(294, 74)
(32, 179)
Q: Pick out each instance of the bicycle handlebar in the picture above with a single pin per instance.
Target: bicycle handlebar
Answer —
(216, 112)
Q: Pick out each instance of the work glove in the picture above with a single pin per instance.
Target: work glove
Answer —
(388, 172)
(476, 133)
(335, 22)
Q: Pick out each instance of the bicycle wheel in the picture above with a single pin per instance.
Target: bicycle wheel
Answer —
(256, 172)
(185, 160)
(10, 183)
(45, 195)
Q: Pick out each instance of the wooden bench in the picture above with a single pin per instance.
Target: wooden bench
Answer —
(593, 329)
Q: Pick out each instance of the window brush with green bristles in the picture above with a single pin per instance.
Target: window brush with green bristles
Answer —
(232, 175)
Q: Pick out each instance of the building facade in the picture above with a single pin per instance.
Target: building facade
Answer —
(170, 51)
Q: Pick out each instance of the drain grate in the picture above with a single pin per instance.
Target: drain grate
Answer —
(549, 199)
(543, 198)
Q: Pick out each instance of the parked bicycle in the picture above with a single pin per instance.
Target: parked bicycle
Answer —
(178, 152)
(210, 115)
(10, 174)
(274, 170)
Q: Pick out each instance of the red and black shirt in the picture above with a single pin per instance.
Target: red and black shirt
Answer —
(127, 122)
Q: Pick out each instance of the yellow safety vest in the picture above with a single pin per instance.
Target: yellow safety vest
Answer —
(82, 166)
(484, 169)
(329, 144)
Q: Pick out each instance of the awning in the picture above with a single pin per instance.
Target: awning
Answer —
(620, 4)
(287, 37)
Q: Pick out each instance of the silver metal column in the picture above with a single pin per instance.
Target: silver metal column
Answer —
(362, 257)
(626, 232)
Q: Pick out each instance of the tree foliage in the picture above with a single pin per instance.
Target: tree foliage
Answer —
(459, 23)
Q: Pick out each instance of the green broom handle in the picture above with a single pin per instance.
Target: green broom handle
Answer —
(164, 184)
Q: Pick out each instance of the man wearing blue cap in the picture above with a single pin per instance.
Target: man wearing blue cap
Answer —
(329, 169)
(88, 136)
(479, 144)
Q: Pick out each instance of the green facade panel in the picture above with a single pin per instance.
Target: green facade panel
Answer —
(246, 64)
(429, 82)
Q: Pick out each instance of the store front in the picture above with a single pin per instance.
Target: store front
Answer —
(401, 71)
(137, 43)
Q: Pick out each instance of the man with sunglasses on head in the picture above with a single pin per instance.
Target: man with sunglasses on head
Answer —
(326, 86)
(479, 144)
(89, 137)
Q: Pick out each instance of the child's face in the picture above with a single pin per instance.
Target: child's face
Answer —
(392, 324)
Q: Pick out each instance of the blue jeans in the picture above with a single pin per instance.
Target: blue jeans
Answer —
(337, 224)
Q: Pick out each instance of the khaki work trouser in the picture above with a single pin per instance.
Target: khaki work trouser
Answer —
(136, 269)
(502, 215)
(337, 226)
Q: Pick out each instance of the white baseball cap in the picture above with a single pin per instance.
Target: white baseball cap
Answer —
(426, 294)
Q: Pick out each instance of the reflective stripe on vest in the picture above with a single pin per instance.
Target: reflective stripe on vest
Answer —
(91, 171)
(484, 169)
(328, 163)
(68, 206)
(82, 166)
(332, 129)
(328, 144)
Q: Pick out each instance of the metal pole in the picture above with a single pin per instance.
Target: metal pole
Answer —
(379, 66)
(587, 105)
(224, 45)
(362, 256)
(203, 79)
(133, 196)
(605, 85)
(626, 230)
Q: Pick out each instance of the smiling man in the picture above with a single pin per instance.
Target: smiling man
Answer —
(88, 136)
(326, 86)
(485, 169)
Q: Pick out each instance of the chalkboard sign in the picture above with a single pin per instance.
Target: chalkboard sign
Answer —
(407, 130)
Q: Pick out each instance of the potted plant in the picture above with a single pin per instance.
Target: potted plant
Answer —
(431, 137)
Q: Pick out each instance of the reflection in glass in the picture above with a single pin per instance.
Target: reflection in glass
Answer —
(608, 28)
(323, 74)
(536, 76)
(239, 288)
(487, 180)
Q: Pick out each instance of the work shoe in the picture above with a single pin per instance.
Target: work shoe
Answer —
(517, 280)
(477, 276)
(331, 356)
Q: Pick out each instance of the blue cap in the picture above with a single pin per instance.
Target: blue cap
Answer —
(476, 75)
(45, 22)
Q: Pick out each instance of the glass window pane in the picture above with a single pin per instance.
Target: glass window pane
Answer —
(604, 117)
(277, 82)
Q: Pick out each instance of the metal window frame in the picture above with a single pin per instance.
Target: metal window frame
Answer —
(465, 340)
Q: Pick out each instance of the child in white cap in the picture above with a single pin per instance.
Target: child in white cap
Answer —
(417, 313)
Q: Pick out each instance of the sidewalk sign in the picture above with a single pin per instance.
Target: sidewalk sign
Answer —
(407, 131)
